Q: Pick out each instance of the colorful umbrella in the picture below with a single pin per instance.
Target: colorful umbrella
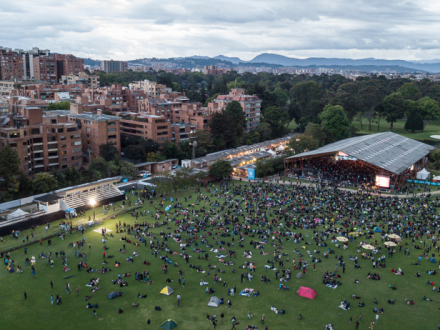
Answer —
(368, 246)
(390, 244)
(342, 239)
(393, 236)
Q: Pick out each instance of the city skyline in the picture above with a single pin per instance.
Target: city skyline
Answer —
(126, 30)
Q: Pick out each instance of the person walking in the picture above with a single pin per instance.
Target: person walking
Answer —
(94, 313)
(103, 255)
(214, 323)
(25, 295)
(262, 319)
(377, 318)
(357, 325)
(178, 300)
(222, 316)
(183, 282)
(233, 324)
(229, 304)
(51, 300)
(33, 274)
(249, 314)
(351, 320)
(360, 317)
(51, 284)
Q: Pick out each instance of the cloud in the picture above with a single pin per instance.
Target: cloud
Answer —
(129, 29)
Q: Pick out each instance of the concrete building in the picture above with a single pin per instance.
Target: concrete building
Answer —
(251, 105)
(68, 65)
(42, 143)
(52, 67)
(180, 132)
(114, 66)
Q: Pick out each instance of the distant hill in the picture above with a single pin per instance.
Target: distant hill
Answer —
(319, 61)
(89, 61)
(234, 60)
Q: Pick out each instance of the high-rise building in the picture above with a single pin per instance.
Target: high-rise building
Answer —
(11, 67)
(114, 66)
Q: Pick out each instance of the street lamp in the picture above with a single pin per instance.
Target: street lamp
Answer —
(93, 202)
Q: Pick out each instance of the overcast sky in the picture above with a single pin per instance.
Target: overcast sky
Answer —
(130, 29)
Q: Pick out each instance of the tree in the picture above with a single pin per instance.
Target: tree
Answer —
(236, 117)
(318, 133)
(151, 157)
(303, 103)
(170, 150)
(370, 97)
(44, 182)
(220, 169)
(263, 167)
(98, 169)
(72, 176)
(435, 158)
(135, 153)
(301, 143)
(25, 186)
(429, 109)
(149, 145)
(277, 118)
(409, 91)
(63, 105)
(414, 122)
(394, 107)
(9, 169)
(264, 131)
(127, 169)
(108, 151)
(336, 121)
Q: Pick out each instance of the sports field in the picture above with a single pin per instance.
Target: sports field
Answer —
(37, 312)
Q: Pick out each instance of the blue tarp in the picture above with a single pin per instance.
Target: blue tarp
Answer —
(70, 210)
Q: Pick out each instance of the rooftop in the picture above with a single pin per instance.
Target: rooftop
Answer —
(87, 116)
(389, 151)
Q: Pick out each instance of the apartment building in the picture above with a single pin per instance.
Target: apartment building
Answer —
(68, 65)
(46, 69)
(181, 132)
(50, 92)
(11, 66)
(42, 143)
(213, 69)
(151, 88)
(14, 58)
(146, 126)
(251, 105)
(80, 78)
(96, 129)
(114, 66)
(116, 96)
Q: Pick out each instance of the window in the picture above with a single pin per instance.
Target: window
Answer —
(63, 145)
(88, 129)
(62, 138)
(112, 136)
(63, 152)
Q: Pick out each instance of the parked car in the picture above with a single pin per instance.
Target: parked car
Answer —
(144, 174)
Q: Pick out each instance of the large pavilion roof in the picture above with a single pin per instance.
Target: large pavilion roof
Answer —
(389, 151)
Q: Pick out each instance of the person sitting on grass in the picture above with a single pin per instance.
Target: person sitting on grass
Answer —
(391, 301)
(120, 311)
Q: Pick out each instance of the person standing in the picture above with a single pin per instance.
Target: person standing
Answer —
(262, 319)
(229, 304)
(360, 317)
(377, 318)
(33, 274)
(94, 313)
(25, 295)
(51, 284)
(214, 323)
(103, 255)
(249, 314)
(77, 291)
(178, 300)
(357, 325)
(222, 316)
(183, 282)
(51, 300)
(351, 320)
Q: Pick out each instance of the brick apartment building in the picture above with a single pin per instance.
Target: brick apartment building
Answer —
(116, 96)
(50, 92)
(52, 67)
(251, 105)
(151, 88)
(96, 129)
(213, 69)
(146, 126)
(80, 78)
(42, 143)
(18, 63)
(114, 66)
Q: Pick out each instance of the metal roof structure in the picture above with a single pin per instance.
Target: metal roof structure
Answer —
(389, 151)
(231, 152)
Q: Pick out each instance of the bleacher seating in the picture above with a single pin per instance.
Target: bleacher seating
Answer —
(98, 194)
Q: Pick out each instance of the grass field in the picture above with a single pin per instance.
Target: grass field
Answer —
(430, 129)
(37, 312)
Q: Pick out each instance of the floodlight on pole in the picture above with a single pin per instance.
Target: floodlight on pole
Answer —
(93, 202)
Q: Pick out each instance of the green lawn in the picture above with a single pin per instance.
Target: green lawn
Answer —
(37, 312)
(430, 129)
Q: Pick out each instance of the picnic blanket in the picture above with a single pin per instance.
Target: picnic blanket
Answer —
(331, 286)
(247, 294)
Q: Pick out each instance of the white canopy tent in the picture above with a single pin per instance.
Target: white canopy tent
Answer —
(423, 175)
(214, 302)
(16, 214)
